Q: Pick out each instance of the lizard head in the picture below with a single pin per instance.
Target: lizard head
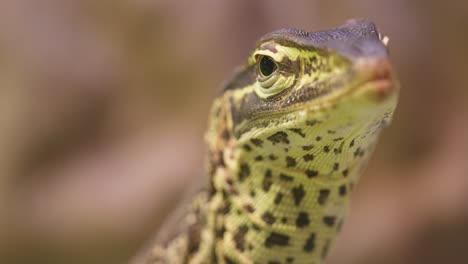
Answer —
(294, 75)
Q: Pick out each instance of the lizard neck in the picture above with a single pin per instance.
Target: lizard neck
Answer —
(282, 195)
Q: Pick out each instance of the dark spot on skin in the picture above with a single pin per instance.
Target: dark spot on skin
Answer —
(310, 243)
(284, 220)
(302, 219)
(329, 220)
(278, 198)
(225, 209)
(267, 181)
(345, 172)
(326, 149)
(338, 139)
(308, 157)
(256, 227)
(318, 138)
(219, 160)
(331, 131)
(258, 158)
(339, 149)
(228, 260)
(342, 190)
(311, 173)
(268, 218)
(359, 152)
(251, 247)
(276, 239)
(323, 196)
(336, 166)
(244, 171)
(298, 131)
(312, 122)
(313, 60)
(225, 135)
(279, 137)
(247, 147)
(272, 157)
(253, 193)
(239, 237)
(356, 152)
(289, 259)
(351, 144)
(325, 249)
(286, 150)
(220, 232)
(307, 148)
(290, 162)
(257, 142)
(249, 208)
(229, 181)
(298, 193)
(285, 177)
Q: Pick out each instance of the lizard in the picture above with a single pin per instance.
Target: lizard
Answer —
(288, 138)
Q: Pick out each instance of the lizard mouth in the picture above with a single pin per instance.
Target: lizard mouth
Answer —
(379, 82)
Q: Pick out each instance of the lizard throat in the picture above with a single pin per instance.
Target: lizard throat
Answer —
(284, 194)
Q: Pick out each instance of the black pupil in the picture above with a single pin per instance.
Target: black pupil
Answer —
(267, 66)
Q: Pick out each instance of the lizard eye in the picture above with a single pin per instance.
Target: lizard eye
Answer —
(266, 66)
(270, 79)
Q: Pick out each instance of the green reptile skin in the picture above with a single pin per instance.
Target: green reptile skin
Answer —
(288, 138)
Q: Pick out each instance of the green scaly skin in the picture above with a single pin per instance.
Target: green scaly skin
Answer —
(287, 142)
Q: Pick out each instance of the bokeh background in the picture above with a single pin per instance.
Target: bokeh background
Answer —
(103, 105)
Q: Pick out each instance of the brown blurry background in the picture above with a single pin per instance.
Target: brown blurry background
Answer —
(103, 105)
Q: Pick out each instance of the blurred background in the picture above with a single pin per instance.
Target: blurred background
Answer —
(103, 105)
